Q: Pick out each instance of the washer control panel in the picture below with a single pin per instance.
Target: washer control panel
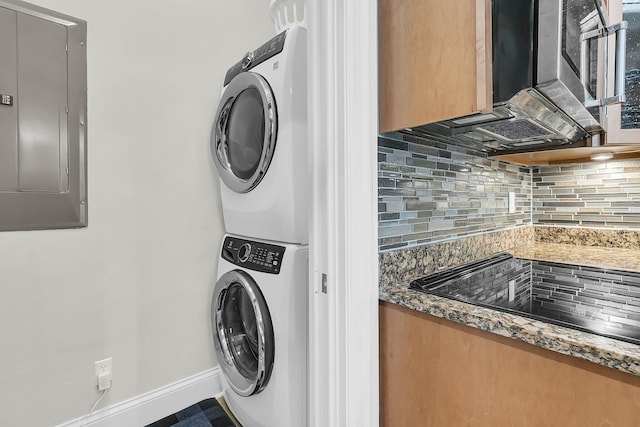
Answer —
(257, 256)
(261, 54)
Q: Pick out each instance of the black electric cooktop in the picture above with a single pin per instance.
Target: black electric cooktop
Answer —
(601, 301)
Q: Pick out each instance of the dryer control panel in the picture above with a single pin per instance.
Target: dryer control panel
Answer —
(257, 256)
(261, 54)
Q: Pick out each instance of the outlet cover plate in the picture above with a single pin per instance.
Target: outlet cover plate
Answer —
(103, 366)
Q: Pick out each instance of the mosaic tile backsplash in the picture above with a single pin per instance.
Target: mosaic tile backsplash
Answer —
(606, 301)
(602, 301)
(431, 191)
(599, 194)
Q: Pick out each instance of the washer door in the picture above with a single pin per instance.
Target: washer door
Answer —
(242, 332)
(243, 137)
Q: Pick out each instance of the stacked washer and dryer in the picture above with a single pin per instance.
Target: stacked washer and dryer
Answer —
(259, 307)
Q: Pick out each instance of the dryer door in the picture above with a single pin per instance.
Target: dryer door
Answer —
(243, 137)
(243, 332)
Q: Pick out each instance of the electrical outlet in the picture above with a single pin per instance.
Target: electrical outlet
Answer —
(103, 373)
(512, 202)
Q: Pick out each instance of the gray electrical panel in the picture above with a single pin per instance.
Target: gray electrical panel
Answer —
(43, 118)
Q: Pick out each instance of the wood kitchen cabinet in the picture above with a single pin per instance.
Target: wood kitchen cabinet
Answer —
(434, 60)
(434, 372)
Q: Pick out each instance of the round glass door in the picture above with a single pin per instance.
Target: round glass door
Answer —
(243, 137)
(243, 333)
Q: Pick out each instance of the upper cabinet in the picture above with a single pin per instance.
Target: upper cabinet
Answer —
(434, 61)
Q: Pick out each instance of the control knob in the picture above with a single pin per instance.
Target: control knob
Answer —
(244, 252)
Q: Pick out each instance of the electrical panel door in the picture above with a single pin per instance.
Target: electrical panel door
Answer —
(42, 118)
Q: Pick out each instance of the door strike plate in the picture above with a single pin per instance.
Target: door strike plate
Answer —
(6, 100)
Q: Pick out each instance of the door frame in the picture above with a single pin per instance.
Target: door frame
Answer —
(343, 303)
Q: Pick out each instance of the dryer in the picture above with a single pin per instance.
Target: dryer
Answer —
(259, 319)
(259, 141)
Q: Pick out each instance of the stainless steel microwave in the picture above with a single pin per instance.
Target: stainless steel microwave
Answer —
(552, 61)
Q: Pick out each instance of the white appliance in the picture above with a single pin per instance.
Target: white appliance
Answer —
(259, 141)
(259, 318)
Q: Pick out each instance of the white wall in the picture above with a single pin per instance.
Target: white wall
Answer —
(136, 284)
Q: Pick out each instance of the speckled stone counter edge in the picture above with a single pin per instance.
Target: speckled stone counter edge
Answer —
(584, 236)
(404, 265)
(398, 268)
(594, 256)
(615, 354)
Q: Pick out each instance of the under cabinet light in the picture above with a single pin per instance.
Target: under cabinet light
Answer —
(601, 156)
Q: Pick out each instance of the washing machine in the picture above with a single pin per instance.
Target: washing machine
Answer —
(259, 142)
(259, 321)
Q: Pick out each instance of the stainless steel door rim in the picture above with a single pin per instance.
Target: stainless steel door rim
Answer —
(243, 137)
(243, 332)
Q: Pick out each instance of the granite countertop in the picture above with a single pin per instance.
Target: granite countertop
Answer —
(611, 258)
(615, 354)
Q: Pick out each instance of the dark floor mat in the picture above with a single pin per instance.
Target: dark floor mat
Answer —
(207, 413)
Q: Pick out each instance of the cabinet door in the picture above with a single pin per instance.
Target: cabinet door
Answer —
(622, 121)
(434, 60)
(435, 372)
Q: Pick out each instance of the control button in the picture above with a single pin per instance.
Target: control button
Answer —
(244, 252)
(227, 254)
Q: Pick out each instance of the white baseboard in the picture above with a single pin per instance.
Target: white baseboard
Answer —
(156, 404)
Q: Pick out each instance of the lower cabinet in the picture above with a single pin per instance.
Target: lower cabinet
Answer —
(434, 372)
